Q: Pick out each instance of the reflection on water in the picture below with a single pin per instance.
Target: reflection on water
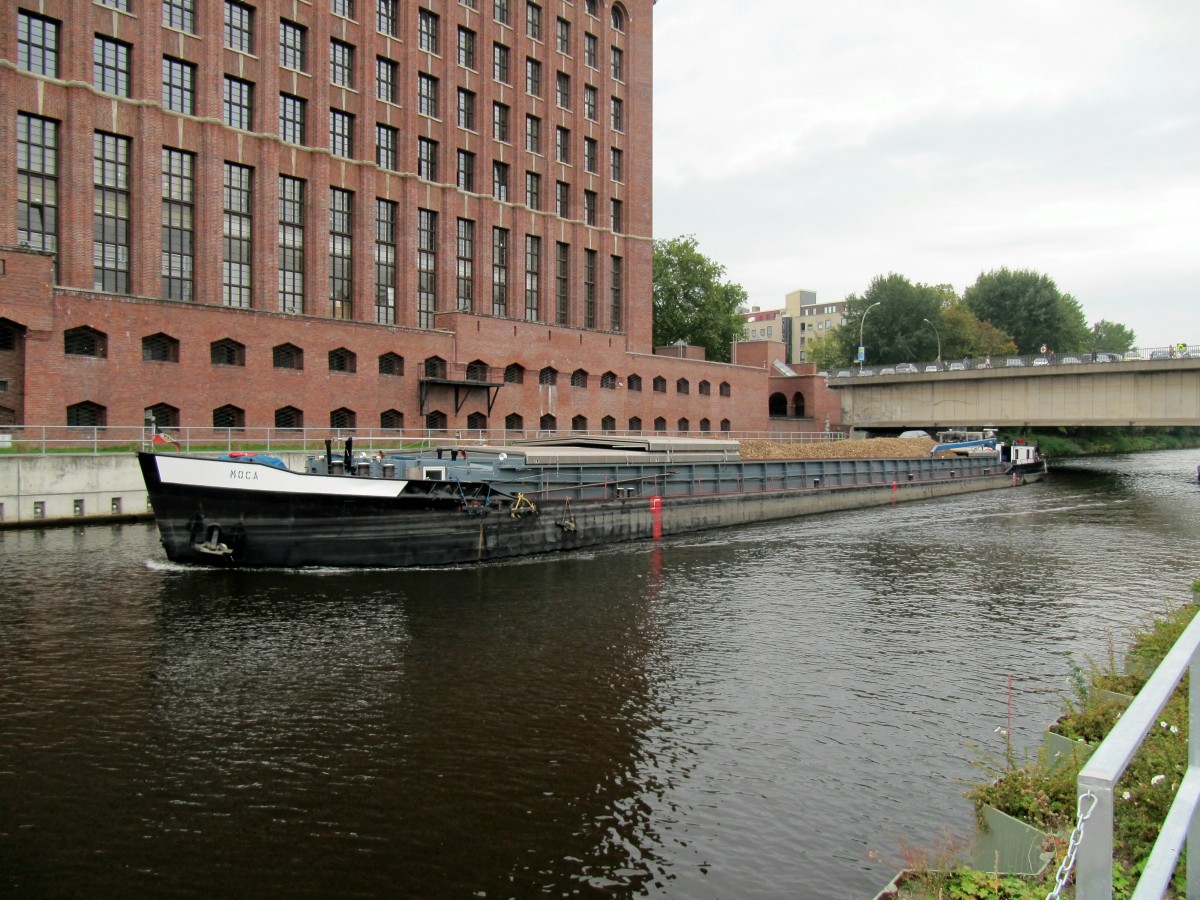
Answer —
(770, 711)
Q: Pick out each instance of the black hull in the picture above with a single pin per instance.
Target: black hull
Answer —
(294, 529)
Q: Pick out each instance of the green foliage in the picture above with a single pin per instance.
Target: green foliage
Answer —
(1030, 307)
(825, 351)
(896, 330)
(1037, 793)
(692, 301)
(964, 335)
(1062, 443)
(1112, 337)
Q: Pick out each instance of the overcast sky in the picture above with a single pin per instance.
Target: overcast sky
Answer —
(817, 145)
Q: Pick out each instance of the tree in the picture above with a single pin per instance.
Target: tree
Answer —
(1029, 306)
(896, 330)
(825, 351)
(692, 301)
(963, 335)
(1111, 337)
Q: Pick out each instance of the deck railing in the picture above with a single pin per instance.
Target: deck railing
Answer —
(1098, 777)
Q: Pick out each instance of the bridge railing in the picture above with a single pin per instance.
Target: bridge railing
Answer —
(1099, 775)
(1016, 361)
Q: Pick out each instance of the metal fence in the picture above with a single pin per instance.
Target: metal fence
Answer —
(42, 439)
(1098, 777)
(1017, 361)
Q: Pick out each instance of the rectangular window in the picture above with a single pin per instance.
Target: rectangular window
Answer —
(618, 216)
(291, 244)
(178, 224)
(499, 271)
(122, 5)
(341, 134)
(589, 288)
(387, 147)
(343, 8)
(533, 78)
(562, 284)
(589, 102)
(385, 262)
(427, 95)
(562, 200)
(618, 64)
(386, 79)
(341, 64)
(428, 25)
(500, 122)
(237, 235)
(500, 71)
(562, 36)
(427, 153)
(590, 152)
(589, 50)
(110, 66)
(533, 21)
(562, 144)
(618, 114)
(341, 253)
(239, 26)
(500, 181)
(180, 15)
(426, 267)
(500, 11)
(618, 165)
(563, 90)
(466, 48)
(37, 44)
(238, 106)
(533, 190)
(616, 292)
(589, 207)
(293, 40)
(533, 276)
(465, 245)
(292, 114)
(110, 217)
(533, 134)
(466, 109)
(179, 81)
(386, 18)
(466, 171)
(37, 183)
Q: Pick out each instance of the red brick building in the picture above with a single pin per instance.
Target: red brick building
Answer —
(352, 213)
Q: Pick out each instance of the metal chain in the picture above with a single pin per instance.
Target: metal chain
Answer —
(1068, 863)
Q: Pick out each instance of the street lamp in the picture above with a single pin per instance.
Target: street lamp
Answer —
(939, 340)
(861, 348)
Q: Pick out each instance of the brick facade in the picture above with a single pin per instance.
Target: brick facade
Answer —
(42, 297)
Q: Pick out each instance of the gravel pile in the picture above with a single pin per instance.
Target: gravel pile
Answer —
(874, 448)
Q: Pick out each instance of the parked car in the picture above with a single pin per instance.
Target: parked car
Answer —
(865, 372)
(932, 368)
(823, 374)
(1014, 361)
(887, 370)
(1069, 361)
(1132, 356)
(906, 369)
(1160, 354)
(956, 367)
(915, 434)
(844, 373)
(1041, 361)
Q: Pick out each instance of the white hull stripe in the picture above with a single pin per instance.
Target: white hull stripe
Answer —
(256, 477)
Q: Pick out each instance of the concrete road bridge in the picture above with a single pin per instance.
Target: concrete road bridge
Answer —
(1118, 393)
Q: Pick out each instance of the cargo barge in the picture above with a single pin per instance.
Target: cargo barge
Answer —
(464, 504)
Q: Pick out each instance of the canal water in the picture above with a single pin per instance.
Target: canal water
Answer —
(774, 711)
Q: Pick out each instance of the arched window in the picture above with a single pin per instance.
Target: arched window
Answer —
(477, 370)
(87, 414)
(682, 386)
(704, 388)
(85, 341)
(391, 364)
(579, 378)
(725, 390)
(608, 381)
(579, 423)
(289, 417)
(391, 418)
(660, 384)
(726, 425)
(287, 356)
(436, 420)
(227, 352)
(660, 424)
(435, 367)
(233, 417)
(635, 425)
(705, 426)
(618, 17)
(343, 360)
(165, 415)
(477, 421)
(777, 405)
(514, 422)
(683, 425)
(608, 424)
(514, 373)
(343, 418)
(548, 423)
(798, 405)
(634, 382)
(548, 375)
(160, 348)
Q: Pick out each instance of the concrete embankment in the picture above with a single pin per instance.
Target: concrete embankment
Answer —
(61, 489)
